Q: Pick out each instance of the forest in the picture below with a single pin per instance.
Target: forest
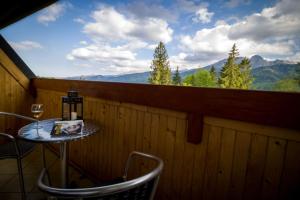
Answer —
(233, 74)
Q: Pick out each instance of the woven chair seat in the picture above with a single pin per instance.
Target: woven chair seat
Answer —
(8, 150)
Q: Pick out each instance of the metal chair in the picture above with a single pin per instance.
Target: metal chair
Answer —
(16, 149)
(141, 188)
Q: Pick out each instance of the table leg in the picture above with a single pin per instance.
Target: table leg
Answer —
(63, 164)
(43, 156)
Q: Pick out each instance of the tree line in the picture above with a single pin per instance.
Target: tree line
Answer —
(232, 75)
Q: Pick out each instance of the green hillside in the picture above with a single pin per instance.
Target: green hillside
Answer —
(266, 77)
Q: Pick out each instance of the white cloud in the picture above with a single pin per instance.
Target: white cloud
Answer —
(26, 45)
(235, 3)
(295, 57)
(280, 21)
(152, 46)
(52, 13)
(203, 16)
(180, 60)
(83, 42)
(109, 60)
(191, 6)
(79, 20)
(109, 24)
(200, 10)
(220, 22)
(101, 53)
(142, 9)
(272, 33)
(116, 39)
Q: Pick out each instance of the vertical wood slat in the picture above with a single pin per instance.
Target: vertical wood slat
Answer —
(241, 153)
(187, 170)
(2, 102)
(255, 167)
(227, 163)
(273, 168)
(290, 183)
(169, 151)
(158, 138)
(212, 159)
(177, 169)
(199, 164)
(225, 166)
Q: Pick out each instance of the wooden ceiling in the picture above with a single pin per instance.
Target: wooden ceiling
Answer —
(14, 10)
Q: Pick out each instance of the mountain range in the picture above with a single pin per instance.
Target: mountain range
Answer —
(265, 72)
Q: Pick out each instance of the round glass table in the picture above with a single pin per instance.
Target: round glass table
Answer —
(43, 135)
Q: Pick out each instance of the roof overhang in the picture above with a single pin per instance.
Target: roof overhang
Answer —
(14, 10)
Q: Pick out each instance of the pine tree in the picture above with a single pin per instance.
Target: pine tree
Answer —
(246, 76)
(161, 72)
(213, 73)
(177, 77)
(230, 76)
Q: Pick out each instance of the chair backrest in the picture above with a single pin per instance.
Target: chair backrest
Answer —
(142, 187)
(10, 149)
(17, 116)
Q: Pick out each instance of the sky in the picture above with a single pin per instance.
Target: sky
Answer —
(89, 37)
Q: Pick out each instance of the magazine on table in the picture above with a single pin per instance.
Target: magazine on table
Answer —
(73, 127)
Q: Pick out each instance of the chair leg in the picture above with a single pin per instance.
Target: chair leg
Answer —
(21, 179)
(44, 163)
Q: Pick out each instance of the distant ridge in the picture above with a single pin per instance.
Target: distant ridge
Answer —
(256, 62)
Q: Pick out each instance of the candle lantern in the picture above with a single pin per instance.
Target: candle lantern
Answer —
(72, 106)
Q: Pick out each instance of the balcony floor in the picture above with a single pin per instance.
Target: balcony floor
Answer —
(32, 166)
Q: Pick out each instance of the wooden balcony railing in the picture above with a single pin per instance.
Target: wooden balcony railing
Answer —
(267, 108)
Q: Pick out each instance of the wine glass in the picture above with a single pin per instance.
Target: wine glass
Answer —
(37, 111)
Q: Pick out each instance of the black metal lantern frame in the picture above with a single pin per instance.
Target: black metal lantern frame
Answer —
(72, 106)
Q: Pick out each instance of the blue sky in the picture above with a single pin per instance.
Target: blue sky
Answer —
(82, 37)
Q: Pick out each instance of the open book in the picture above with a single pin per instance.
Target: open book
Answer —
(67, 127)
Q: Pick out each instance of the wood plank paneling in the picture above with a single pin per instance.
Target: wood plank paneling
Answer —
(199, 164)
(233, 161)
(9, 66)
(255, 167)
(273, 168)
(225, 167)
(211, 162)
(290, 182)
(15, 95)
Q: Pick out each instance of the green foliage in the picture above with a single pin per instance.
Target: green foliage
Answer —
(201, 78)
(297, 74)
(230, 71)
(287, 85)
(160, 67)
(266, 77)
(234, 75)
(177, 78)
(246, 76)
(290, 83)
(213, 73)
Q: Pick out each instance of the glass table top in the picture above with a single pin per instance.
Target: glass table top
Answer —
(43, 134)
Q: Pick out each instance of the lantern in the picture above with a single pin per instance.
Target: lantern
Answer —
(72, 106)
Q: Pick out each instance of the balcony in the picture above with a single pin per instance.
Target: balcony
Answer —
(235, 144)
(215, 143)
